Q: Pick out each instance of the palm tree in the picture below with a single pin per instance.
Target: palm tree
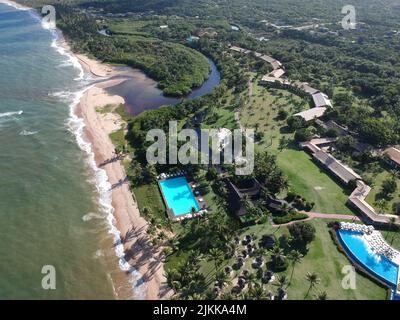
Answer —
(281, 281)
(172, 276)
(295, 257)
(195, 257)
(257, 292)
(381, 205)
(174, 244)
(222, 278)
(216, 256)
(277, 254)
(313, 279)
(322, 295)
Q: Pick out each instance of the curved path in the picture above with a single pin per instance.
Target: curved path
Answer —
(318, 215)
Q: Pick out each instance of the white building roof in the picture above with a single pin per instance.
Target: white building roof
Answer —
(312, 113)
(277, 73)
(321, 100)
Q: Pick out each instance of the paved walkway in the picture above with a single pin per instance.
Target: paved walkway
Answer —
(318, 215)
(332, 216)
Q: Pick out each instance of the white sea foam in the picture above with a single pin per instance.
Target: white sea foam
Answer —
(15, 6)
(27, 133)
(76, 126)
(11, 113)
(103, 186)
(90, 216)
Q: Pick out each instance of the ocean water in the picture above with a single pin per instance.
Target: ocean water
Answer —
(54, 205)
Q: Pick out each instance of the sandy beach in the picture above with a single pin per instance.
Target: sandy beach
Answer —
(140, 253)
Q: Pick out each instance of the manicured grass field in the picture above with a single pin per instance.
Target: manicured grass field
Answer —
(322, 257)
(305, 176)
(149, 196)
(314, 184)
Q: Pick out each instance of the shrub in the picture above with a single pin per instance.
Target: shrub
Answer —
(280, 267)
(211, 174)
(289, 217)
(302, 233)
(296, 123)
(303, 134)
(290, 196)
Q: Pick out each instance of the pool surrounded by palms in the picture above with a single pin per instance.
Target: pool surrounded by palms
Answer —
(178, 196)
(376, 264)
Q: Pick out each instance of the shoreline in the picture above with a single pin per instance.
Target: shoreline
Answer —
(138, 251)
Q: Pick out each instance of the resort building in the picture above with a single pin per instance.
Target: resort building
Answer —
(357, 201)
(236, 194)
(311, 114)
(271, 80)
(304, 86)
(345, 175)
(338, 169)
(240, 50)
(393, 157)
(277, 73)
(267, 58)
(321, 100)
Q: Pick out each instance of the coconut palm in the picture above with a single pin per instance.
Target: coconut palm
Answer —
(281, 281)
(172, 276)
(174, 244)
(277, 254)
(295, 257)
(257, 292)
(313, 279)
(322, 295)
(216, 256)
(222, 278)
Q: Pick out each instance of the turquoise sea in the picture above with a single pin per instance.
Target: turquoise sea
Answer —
(54, 205)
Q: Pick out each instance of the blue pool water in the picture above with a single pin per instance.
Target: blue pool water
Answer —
(179, 196)
(377, 265)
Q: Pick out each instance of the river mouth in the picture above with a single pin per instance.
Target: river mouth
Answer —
(141, 92)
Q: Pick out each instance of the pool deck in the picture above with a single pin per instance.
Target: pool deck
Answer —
(202, 204)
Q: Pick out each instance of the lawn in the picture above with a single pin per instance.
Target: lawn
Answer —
(149, 196)
(323, 258)
(314, 184)
(305, 177)
(374, 195)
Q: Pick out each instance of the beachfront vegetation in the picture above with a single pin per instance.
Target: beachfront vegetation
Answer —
(178, 69)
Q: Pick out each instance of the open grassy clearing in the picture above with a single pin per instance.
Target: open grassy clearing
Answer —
(313, 183)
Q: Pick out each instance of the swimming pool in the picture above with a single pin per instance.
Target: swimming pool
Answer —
(377, 265)
(178, 196)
